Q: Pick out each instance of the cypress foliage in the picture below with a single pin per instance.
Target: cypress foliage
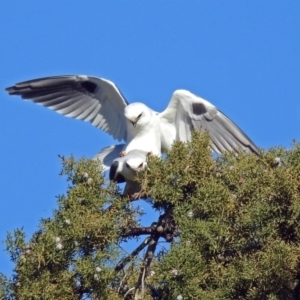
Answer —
(232, 223)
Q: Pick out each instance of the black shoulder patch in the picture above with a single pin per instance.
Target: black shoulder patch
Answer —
(113, 175)
(199, 109)
(89, 86)
(120, 178)
(113, 170)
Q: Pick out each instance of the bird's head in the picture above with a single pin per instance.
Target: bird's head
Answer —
(138, 114)
(127, 167)
(134, 165)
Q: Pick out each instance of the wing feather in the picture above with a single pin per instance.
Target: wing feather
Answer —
(229, 140)
(97, 120)
(45, 97)
(68, 109)
(86, 98)
(93, 113)
(84, 105)
(108, 155)
(63, 100)
(187, 112)
(223, 137)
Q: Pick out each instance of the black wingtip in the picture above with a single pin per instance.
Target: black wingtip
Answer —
(10, 90)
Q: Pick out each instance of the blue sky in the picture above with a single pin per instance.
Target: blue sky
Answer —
(243, 56)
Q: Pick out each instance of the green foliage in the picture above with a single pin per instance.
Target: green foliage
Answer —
(72, 253)
(237, 216)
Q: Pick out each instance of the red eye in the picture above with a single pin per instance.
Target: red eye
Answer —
(140, 165)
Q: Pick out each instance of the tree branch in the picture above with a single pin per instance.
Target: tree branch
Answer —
(134, 253)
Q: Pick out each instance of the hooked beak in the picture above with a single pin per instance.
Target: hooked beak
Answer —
(134, 123)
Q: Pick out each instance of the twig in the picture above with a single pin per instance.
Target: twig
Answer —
(121, 283)
(128, 292)
(147, 262)
(134, 253)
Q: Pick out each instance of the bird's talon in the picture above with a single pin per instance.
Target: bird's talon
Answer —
(122, 153)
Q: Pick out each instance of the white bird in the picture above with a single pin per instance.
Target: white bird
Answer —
(100, 102)
(127, 168)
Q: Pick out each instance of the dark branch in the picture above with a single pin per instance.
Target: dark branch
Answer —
(136, 231)
(134, 253)
(144, 271)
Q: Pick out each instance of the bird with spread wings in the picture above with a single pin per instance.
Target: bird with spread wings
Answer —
(100, 102)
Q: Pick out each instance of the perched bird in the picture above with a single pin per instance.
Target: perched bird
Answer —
(100, 102)
(127, 168)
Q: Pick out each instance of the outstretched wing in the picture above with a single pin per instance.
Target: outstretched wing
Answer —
(107, 155)
(82, 97)
(187, 112)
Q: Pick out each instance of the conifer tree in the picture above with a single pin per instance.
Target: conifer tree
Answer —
(232, 224)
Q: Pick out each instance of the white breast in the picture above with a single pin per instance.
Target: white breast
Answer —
(144, 138)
